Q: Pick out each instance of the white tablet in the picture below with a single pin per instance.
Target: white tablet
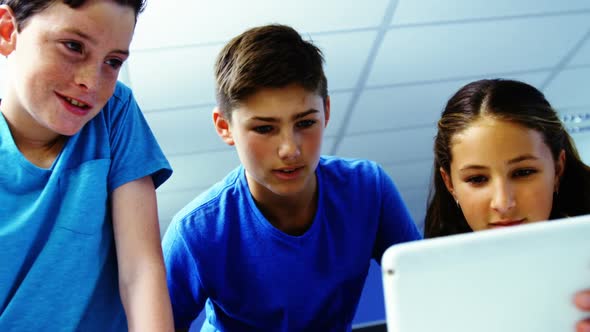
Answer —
(520, 278)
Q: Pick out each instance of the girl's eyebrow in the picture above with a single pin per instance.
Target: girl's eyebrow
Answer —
(472, 167)
(511, 161)
(304, 114)
(522, 158)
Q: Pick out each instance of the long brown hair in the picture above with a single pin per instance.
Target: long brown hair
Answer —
(506, 100)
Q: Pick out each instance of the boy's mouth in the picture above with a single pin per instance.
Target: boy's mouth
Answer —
(75, 102)
(289, 169)
(288, 173)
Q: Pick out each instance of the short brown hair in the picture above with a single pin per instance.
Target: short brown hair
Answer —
(24, 9)
(270, 56)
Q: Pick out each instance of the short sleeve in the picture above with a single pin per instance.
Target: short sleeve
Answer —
(396, 224)
(184, 285)
(135, 153)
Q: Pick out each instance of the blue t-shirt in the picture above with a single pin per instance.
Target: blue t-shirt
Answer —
(59, 267)
(222, 253)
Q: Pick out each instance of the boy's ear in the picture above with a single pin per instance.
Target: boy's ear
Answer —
(327, 111)
(447, 180)
(8, 30)
(222, 126)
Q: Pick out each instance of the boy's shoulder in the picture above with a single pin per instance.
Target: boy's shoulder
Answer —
(203, 222)
(208, 202)
(347, 166)
(337, 174)
(122, 93)
(120, 102)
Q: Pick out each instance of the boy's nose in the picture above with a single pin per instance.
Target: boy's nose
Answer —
(288, 148)
(88, 77)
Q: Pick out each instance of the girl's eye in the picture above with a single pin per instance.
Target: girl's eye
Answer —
(524, 172)
(478, 179)
(306, 123)
(263, 129)
(73, 46)
(115, 63)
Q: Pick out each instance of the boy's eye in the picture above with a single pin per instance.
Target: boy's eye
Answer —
(73, 46)
(305, 123)
(263, 129)
(115, 63)
(477, 179)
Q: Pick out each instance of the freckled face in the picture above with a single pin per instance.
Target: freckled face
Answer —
(65, 64)
(502, 174)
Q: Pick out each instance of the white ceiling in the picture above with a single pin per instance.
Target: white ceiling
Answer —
(391, 66)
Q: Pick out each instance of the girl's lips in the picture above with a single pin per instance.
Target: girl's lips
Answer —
(506, 223)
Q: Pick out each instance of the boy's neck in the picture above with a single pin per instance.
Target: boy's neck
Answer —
(291, 215)
(39, 149)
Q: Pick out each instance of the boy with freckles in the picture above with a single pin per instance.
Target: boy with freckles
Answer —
(79, 235)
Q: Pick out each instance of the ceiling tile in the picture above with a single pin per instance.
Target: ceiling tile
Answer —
(535, 79)
(339, 102)
(459, 50)
(185, 131)
(401, 107)
(577, 121)
(343, 62)
(199, 170)
(582, 57)
(424, 11)
(583, 144)
(569, 88)
(327, 145)
(187, 22)
(390, 146)
(412, 105)
(174, 78)
(410, 175)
